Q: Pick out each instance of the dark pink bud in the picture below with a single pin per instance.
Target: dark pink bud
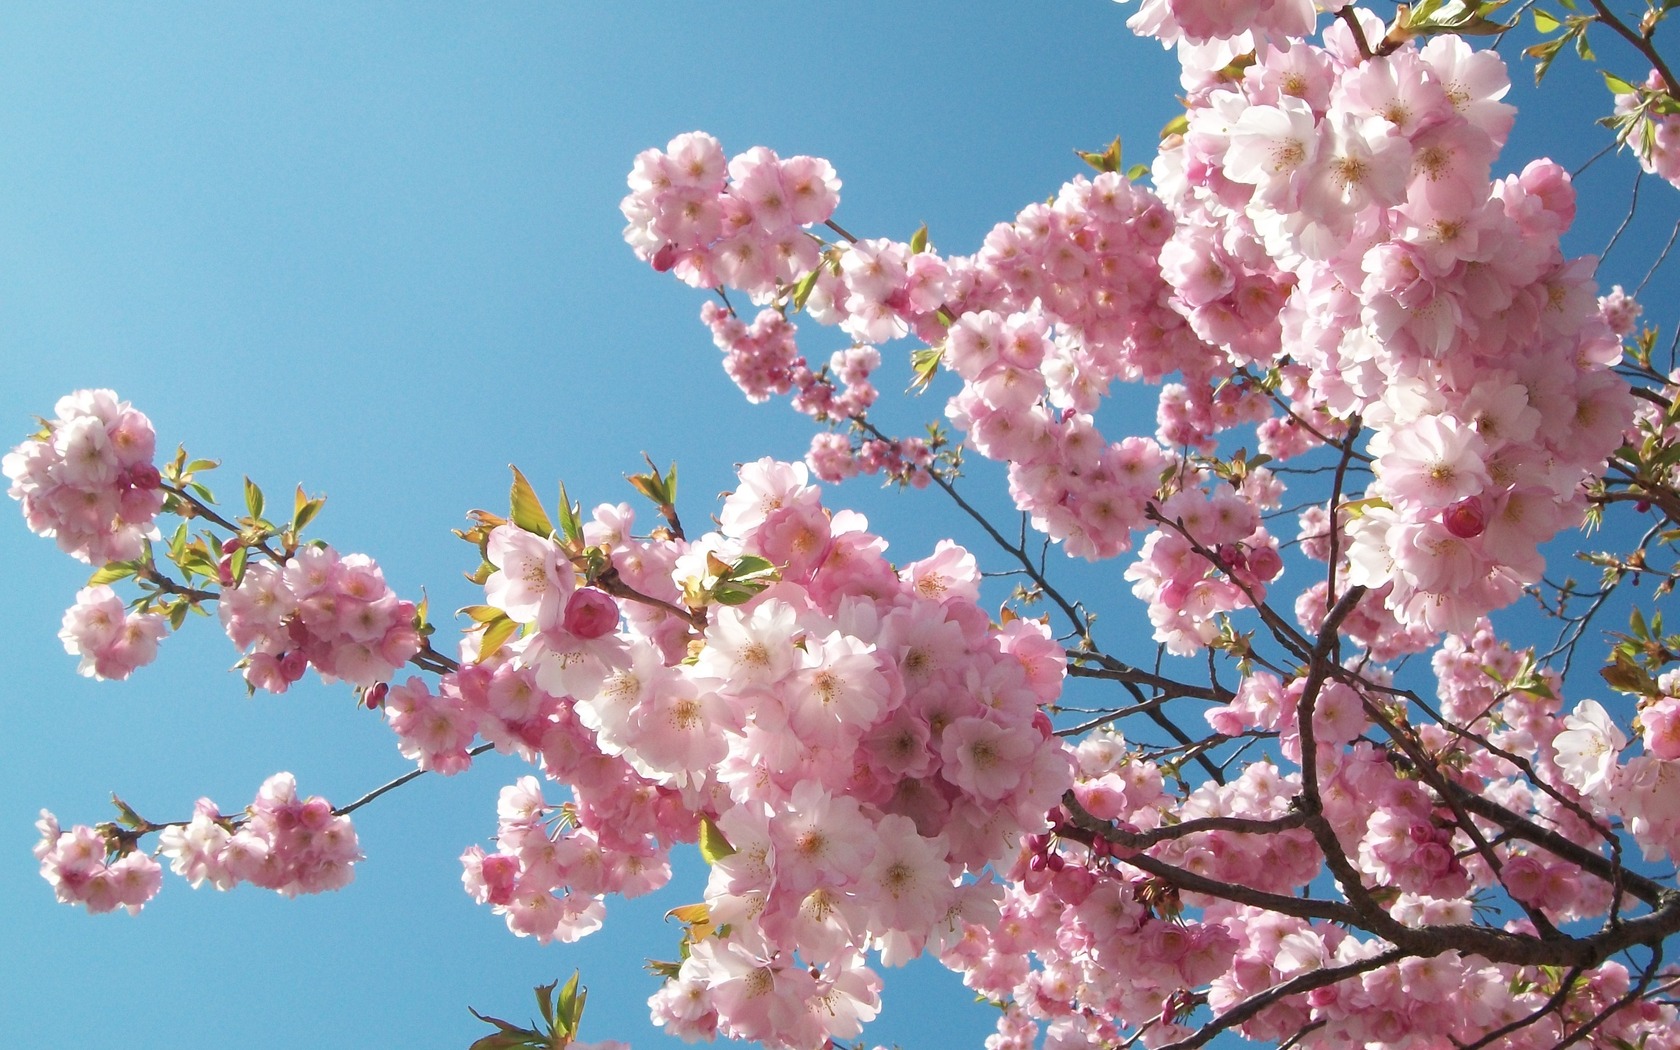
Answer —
(315, 813)
(1264, 564)
(591, 613)
(1465, 519)
(143, 476)
(224, 571)
(375, 695)
(500, 871)
(293, 664)
(664, 258)
(231, 544)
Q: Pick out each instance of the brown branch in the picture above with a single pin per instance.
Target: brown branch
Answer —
(1306, 982)
(344, 811)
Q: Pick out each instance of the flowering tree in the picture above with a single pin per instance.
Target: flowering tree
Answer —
(1374, 364)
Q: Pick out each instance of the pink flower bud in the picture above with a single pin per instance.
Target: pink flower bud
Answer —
(143, 476)
(664, 258)
(591, 613)
(231, 544)
(1264, 564)
(1465, 519)
(500, 870)
(224, 571)
(375, 695)
(293, 664)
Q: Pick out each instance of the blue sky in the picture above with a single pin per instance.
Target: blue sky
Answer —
(376, 249)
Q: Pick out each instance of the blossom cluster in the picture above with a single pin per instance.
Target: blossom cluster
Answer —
(87, 479)
(1366, 182)
(281, 842)
(863, 740)
(318, 609)
(80, 867)
(111, 641)
(739, 222)
(1650, 128)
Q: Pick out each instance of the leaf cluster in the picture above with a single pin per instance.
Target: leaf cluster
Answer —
(556, 1025)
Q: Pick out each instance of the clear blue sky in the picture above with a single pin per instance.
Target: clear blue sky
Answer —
(376, 249)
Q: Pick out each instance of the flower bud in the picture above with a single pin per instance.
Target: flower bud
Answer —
(590, 613)
(1465, 519)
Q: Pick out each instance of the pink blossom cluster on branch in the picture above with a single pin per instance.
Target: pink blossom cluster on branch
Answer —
(319, 610)
(87, 478)
(281, 842)
(860, 737)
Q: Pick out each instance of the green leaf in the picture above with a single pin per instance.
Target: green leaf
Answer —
(713, 846)
(527, 510)
(569, 1010)
(545, 999)
(203, 492)
(802, 290)
(1176, 126)
(924, 365)
(751, 565)
(1581, 47)
(1543, 53)
(304, 509)
(919, 240)
(1107, 160)
(1616, 84)
(1626, 676)
(733, 594)
(571, 525)
(1136, 172)
(126, 815)
(253, 498)
(198, 465)
(117, 570)
(1420, 12)
(496, 634)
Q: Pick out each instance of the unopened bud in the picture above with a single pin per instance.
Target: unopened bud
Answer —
(1465, 519)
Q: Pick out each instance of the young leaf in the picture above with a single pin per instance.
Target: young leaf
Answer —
(1616, 84)
(713, 846)
(802, 290)
(253, 498)
(117, 570)
(526, 509)
(571, 527)
(496, 634)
